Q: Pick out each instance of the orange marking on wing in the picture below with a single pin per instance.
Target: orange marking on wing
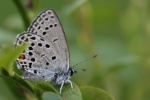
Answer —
(22, 57)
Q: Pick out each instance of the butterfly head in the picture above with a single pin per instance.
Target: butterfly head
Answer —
(71, 71)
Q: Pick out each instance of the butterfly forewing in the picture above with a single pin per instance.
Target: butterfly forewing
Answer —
(48, 26)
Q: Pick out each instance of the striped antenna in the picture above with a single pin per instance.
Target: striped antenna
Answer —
(85, 61)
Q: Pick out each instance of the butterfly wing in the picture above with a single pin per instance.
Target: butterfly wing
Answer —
(48, 52)
(35, 60)
(48, 26)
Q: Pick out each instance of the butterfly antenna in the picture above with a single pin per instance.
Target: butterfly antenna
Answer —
(85, 60)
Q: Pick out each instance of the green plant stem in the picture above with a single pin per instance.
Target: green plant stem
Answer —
(17, 78)
(22, 12)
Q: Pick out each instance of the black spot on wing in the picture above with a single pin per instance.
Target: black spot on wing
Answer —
(32, 44)
(55, 25)
(54, 40)
(41, 39)
(52, 16)
(35, 71)
(30, 48)
(44, 33)
(26, 40)
(50, 26)
(20, 42)
(54, 57)
(46, 28)
(30, 53)
(33, 59)
(40, 19)
(42, 22)
(46, 18)
(33, 38)
(47, 46)
(30, 65)
(22, 38)
(39, 27)
(47, 63)
(40, 44)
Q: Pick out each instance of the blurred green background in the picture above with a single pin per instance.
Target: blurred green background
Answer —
(118, 31)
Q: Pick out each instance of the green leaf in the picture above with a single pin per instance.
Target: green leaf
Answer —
(9, 56)
(52, 96)
(68, 94)
(23, 13)
(42, 87)
(22, 82)
(93, 93)
(73, 6)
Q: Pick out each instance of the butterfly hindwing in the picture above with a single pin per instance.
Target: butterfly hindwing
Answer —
(39, 58)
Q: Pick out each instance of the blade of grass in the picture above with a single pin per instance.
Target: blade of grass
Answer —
(22, 12)
(73, 6)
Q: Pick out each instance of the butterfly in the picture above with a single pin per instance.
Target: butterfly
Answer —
(47, 57)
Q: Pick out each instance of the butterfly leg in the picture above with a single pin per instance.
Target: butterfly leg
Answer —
(48, 79)
(71, 85)
(61, 86)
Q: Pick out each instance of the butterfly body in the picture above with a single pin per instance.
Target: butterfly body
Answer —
(47, 57)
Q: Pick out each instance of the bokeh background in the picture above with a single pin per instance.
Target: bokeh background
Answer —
(118, 31)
